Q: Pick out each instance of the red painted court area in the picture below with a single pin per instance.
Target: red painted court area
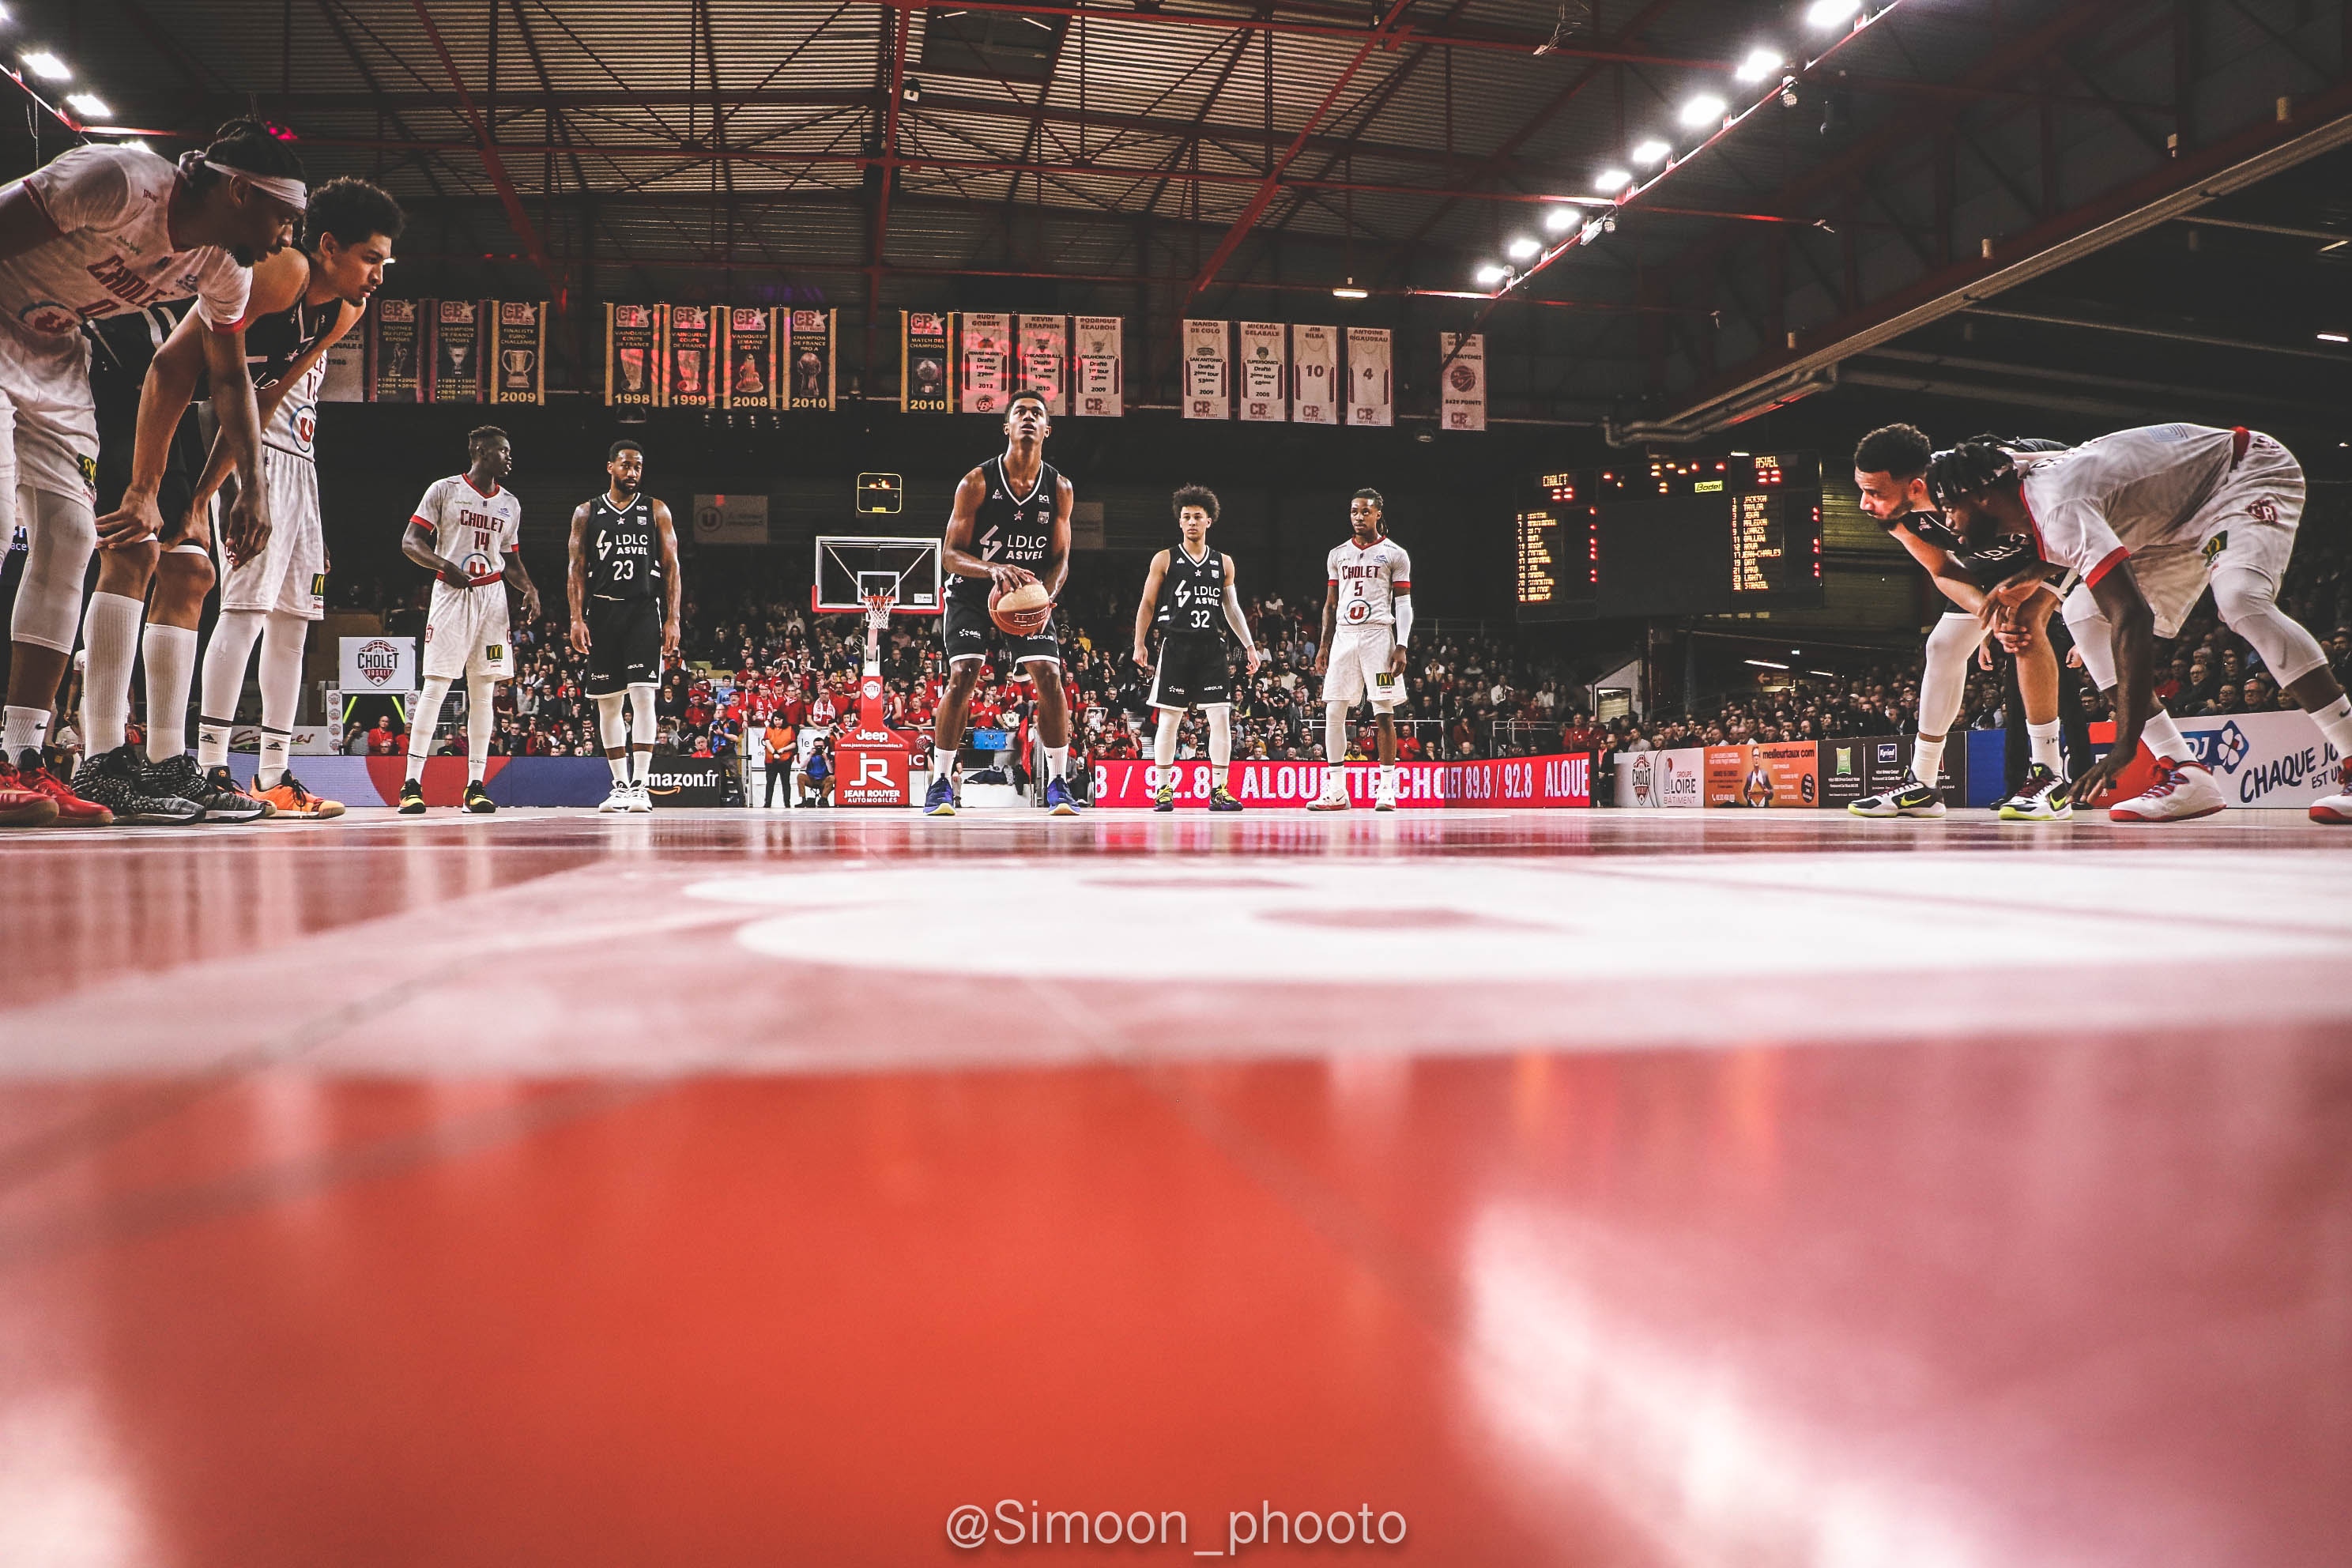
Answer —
(1577, 1188)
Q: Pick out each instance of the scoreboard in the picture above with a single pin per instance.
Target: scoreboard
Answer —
(1665, 536)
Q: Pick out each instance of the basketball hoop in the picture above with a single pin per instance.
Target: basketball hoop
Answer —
(877, 611)
(881, 594)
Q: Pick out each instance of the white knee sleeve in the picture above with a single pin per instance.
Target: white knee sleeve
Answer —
(282, 638)
(1335, 734)
(2094, 637)
(1163, 739)
(612, 723)
(2247, 605)
(1944, 676)
(643, 725)
(62, 535)
(1221, 735)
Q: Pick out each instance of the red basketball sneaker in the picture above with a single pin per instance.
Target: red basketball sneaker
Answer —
(2337, 807)
(22, 807)
(73, 810)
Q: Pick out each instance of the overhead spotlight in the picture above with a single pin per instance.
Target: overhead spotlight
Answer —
(1523, 249)
(43, 64)
(1789, 94)
(1492, 273)
(1561, 218)
(2334, 338)
(1760, 63)
(89, 105)
(1348, 291)
(1707, 109)
(1824, 15)
(911, 90)
(1651, 152)
(1611, 180)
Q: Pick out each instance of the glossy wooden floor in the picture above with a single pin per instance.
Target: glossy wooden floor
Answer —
(1549, 1189)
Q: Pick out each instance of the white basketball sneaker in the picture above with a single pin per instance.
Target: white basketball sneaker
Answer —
(1333, 798)
(639, 801)
(619, 799)
(2337, 807)
(2182, 791)
(1384, 796)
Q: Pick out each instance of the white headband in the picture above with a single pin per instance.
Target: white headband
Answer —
(293, 192)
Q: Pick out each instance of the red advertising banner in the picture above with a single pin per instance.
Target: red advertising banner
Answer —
(1503, 783)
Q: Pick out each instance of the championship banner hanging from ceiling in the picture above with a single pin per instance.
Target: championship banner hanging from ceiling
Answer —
(1045, 361)
(809, 360)
(1462, 384)
(1369, 376)
(1208, 394)
(1265, 371)
(692, 340)
(750, 361)
(517, 351)
(1315, 375)
(984, 356)
(633, 355)
(394, 340)
(456, 352)
(1100, 371)
(923, 361)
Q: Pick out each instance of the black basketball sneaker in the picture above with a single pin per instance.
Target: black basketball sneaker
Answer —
(412, 798)
(118, 781)
(221, 800)
(478, 799)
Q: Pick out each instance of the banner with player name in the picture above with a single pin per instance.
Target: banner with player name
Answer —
(810, 362)
(1097, 361)
(985, 361)
(395, 336)
(1315, 375)
(1265, 371)
(456, 352)
(1208, 394)
(749, 357)
(691, 340)
(923, 361)
(1494, 784)
(1461, 388)
(1369, 354)
(517, 351)
(633, 355)
(1045, 361)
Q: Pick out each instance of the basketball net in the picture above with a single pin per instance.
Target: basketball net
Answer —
(877, 621)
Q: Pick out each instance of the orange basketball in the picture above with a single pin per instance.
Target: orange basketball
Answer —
(1022, 612)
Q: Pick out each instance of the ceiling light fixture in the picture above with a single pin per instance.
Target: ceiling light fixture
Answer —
(89, 105)
(1492, 274)
(1705, 109)
(42, 63)
(1523, 249)
(2334, 338)
(1760, 63)
(1348, 291)
(1827, 14)
(1651, 152)
(1611, 180)
(1563, 217)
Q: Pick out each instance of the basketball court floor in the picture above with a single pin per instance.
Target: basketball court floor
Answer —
(831, 1188)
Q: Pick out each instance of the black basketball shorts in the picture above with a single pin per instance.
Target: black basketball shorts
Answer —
(1193, 672)
(965, 630)
(625, 639)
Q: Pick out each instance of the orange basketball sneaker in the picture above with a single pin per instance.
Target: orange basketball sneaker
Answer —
(290, 799)
(31, 773)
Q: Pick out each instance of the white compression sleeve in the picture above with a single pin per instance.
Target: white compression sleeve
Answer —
(110, 635)
(1220, 739)
(642, 727)
(282, 637)
(61, 534)
(171, 655)
(226, 657)
(1335, 736)
(481, 723)
(426, 720)
(2247, 605)
(1944, 675)
(1163, 739)
(1403, 619)
(612, 728)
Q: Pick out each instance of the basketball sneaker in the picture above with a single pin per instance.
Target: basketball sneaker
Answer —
(940, 799)
(2041, 797)
(21, 806)
(640, 801)
(118, 781)
(222, 801)
(2337, 807)
(619, 799)
(1059, 801)
(477, 800)
(1164, 798)
(1333, 798)
(412, 798)
(1222, 799)
(1384, 798)
(287, 797)
(73, 810)
(2183, 791)
(1909, 798)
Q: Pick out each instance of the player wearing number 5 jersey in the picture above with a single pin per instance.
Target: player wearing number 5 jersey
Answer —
(468, 532)
(624, 590)
(1367, 619)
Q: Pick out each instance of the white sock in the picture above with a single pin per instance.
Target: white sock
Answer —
(23, 729)
(1927, 760)
(641, 763)
(2165, 739)
(212, 744)
(2334, 722)
(423, 722)
(171, 666)
(269, 768)
(227, 652)
(481, 723)
(619, 762)
(1221, 743)
(110, 632)
(1389, 777)
(2041, 742)
(1057, 762)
